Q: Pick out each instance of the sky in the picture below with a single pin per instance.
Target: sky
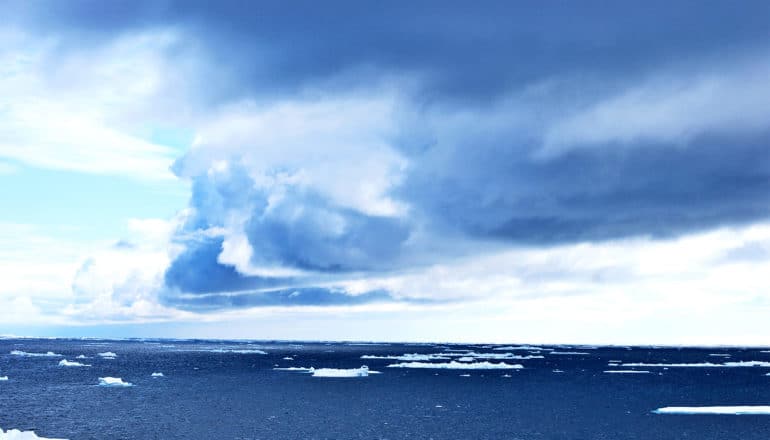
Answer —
(535, 172)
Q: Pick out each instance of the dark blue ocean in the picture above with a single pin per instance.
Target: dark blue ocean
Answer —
(230, 390)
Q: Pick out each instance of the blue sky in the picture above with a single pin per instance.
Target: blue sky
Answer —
(534, 172)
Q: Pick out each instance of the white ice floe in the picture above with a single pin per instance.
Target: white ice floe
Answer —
(107, 355)
(719, 355)
(627, 371)
(3, 378)
(506, 375)
(569, 352)
(302, 369)
(26, 354)
(465, 375)
(454, 365)
(704, 364)
(287, 358)
(340, 372)
(238, 351)
(82, 356)
(66, 363)
(15, 434)
(729, 410)
(410, 357)
(558, 371)
(113, 382)
(157, 375)
(466, 359)
(522, 347)
(496, 356)
(364, 371)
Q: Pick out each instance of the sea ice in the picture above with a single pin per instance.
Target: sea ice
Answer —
(704, 364)
(3, 378)
(239, 351)
(107, 355)
(157, 375)
(113, 382)
(627, 371)
(287, 358)
(66, 363)
(569, 352)
(458, 365)
(26, 354)
(15, 434)
(82, 356)
(731, 410)
(410, 357)
(337, 372)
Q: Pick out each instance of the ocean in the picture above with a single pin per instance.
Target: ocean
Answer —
(293, 390)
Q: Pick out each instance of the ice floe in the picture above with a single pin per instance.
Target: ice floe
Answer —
(569, 352)
(27, 354)
(113, 382)
(15, 434)
(339, 372)
(521, 347)
(238, 351)
(66, 363)
(627, 371)
(3, 378)
(454, 365)
(287, 358)
(157, 375)
(729, 410)
(82, 356)
(107, 355)
(303, 369)
(719, 355)
(410, 357)
(465, 375)
(703, 364)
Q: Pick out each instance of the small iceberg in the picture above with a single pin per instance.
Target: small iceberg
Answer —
(113, 382)
(454, 365)
(3, 378)
(82, 356)
(627, 371)
(107, 355)
(26, 354)
(15, 434)
(66, 363)
(725, 410)
(287, 358)
(157, 375)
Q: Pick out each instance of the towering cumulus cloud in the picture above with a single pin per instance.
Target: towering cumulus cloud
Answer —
(348, 155)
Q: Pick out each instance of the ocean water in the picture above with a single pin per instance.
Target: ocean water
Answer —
(231, 390)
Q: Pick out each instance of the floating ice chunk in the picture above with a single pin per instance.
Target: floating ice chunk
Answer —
(466, 359)
(287, 358)
(506, 375)
(522, 347)
(730, 410)
(496, 356)
(626, 371)
(465, 375)
(302, 369)
(338, 372)
(113, 382)
(569, 352)
(26, 354)
(157, 375)
(3, 378)
(107, 355)
(66, 363)
(458, 365)
(238, 351)
(15, 434)
(719, 355)
(411, 357)
(558, 371)
(704, 364)
(82, 356)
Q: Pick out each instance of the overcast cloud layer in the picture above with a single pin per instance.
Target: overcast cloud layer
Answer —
(425, 156)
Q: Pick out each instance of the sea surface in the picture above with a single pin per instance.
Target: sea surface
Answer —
(232, 390)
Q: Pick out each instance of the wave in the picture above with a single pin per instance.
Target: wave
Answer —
(27, 354)
(15, 434)
(113, 382)
(729, 410)
(454, 365)
(66, 363)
